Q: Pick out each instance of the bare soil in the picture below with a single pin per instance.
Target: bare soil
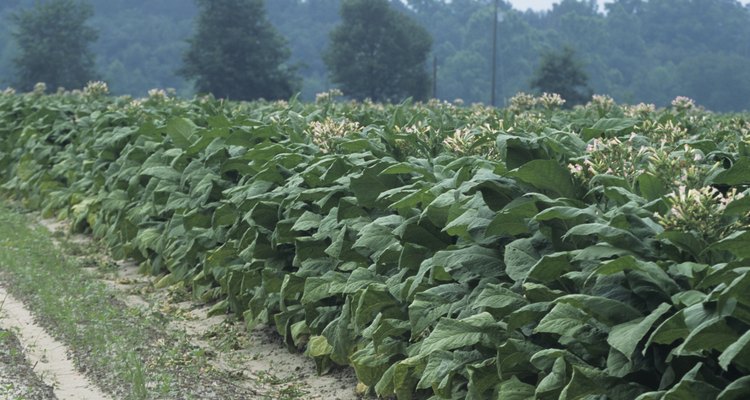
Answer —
(249, 364)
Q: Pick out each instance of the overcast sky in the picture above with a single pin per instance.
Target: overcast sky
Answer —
(538, 5)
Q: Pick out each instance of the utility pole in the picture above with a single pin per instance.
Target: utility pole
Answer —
(494, 55)
(434, 77)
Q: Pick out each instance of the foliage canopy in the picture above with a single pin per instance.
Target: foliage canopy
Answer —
(561, 73)
(443, 252)
(236, 53)
(378, 53)
(54, 43)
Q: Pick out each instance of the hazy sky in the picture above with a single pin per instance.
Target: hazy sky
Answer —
(547, 4)
(538, 4)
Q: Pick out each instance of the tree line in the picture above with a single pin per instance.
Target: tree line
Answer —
(634, 50)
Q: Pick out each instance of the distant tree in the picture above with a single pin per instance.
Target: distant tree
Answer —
(53, 42)
(378, 53)
(563, 74)
(236, 53)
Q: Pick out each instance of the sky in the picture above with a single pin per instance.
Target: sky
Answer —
(538, 5)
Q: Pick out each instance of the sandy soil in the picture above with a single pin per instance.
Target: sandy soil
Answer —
(257, 360)
(48, 357)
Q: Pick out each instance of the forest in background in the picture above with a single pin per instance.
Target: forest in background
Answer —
(634, 50)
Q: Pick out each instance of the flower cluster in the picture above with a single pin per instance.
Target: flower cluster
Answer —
(8, 91)
(663, 132)
(96, 89)
(157, 95)
(324, 133)
(702, 213)
(472, 140)
(603, 104)
(640, 110)
(522, 102)
(551, 101)
(328, 96)
(40, 88)
(681, 167)
(612, 157)
(682, 103)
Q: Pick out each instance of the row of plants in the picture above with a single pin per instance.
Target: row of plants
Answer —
(443, 252)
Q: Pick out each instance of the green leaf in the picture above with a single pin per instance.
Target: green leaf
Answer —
(651, 187)
(712, 334)
(692, 387)
(608, 126)
(737, 390)
(738, 174)
(546, 175)
(308, 221)
(450, 334)
(550, 267)
(442, 365)
(432, 304)
(514, 389)
(164, 173)
(610, 234)
(626, 336)
(512, 220)
(520, 256)
(376, 299)
(580, 386)
(740, 348)
(499, 298)
(564, 320)
(552, 384)
(735, 243)
(340, 335)
(181, 131)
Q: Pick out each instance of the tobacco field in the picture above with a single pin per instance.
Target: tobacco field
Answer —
(442, 251)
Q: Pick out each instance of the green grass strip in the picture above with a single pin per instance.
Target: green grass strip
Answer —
(125, 349)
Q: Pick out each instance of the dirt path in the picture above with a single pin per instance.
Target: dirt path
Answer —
(48, 357)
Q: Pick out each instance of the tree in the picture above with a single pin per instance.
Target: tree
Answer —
(53, 42)
(236, 53)
(378, 53)
(561, 73)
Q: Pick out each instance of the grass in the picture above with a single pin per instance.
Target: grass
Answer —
(128, 350)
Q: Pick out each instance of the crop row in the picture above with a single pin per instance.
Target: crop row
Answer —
(443, 252)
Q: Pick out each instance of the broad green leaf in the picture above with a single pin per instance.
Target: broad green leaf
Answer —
(737, 390)
(738, 174)
(452, 334)
(626, 336)
(512, 220)
(692, 387)
(370, 364)
(738, 352)
(608, 311)
(434, 303)
(376, 299)
(520, 256)
(308, 221)
(735, 243)
(181, 131)
(514, 389)
(712, 334)
(165, 173)
(552, 384)
(581, 386)
(564, 320)
(546, 175)
(550, 267)
(499, 298)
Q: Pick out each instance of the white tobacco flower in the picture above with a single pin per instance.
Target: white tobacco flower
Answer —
(96, 89)
(40, 88)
